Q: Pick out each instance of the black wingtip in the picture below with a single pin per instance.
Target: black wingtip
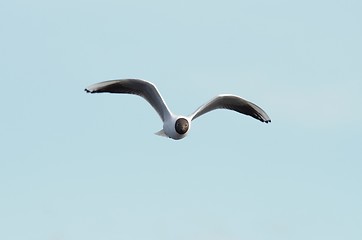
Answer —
(86, 90)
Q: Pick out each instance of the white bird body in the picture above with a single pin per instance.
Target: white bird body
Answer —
(177, 126)
(169, 130)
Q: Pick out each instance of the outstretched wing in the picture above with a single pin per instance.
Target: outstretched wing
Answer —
(137, 87)
(234, 103)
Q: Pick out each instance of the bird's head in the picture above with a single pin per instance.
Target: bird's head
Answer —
(181, 126)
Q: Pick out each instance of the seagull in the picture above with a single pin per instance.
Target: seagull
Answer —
(177, 126)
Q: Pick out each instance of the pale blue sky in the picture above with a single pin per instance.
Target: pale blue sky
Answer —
(79, 166)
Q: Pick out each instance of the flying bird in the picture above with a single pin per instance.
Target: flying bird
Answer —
(177, 126)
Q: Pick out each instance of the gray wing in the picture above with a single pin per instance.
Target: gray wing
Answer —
(234, 103)
(137, 87)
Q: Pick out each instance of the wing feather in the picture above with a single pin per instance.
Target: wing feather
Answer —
(137, 87)
(234, 103)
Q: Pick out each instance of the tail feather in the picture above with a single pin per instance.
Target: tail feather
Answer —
(161, 133)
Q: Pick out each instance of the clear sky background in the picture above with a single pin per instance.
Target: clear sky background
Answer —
(79, 166)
